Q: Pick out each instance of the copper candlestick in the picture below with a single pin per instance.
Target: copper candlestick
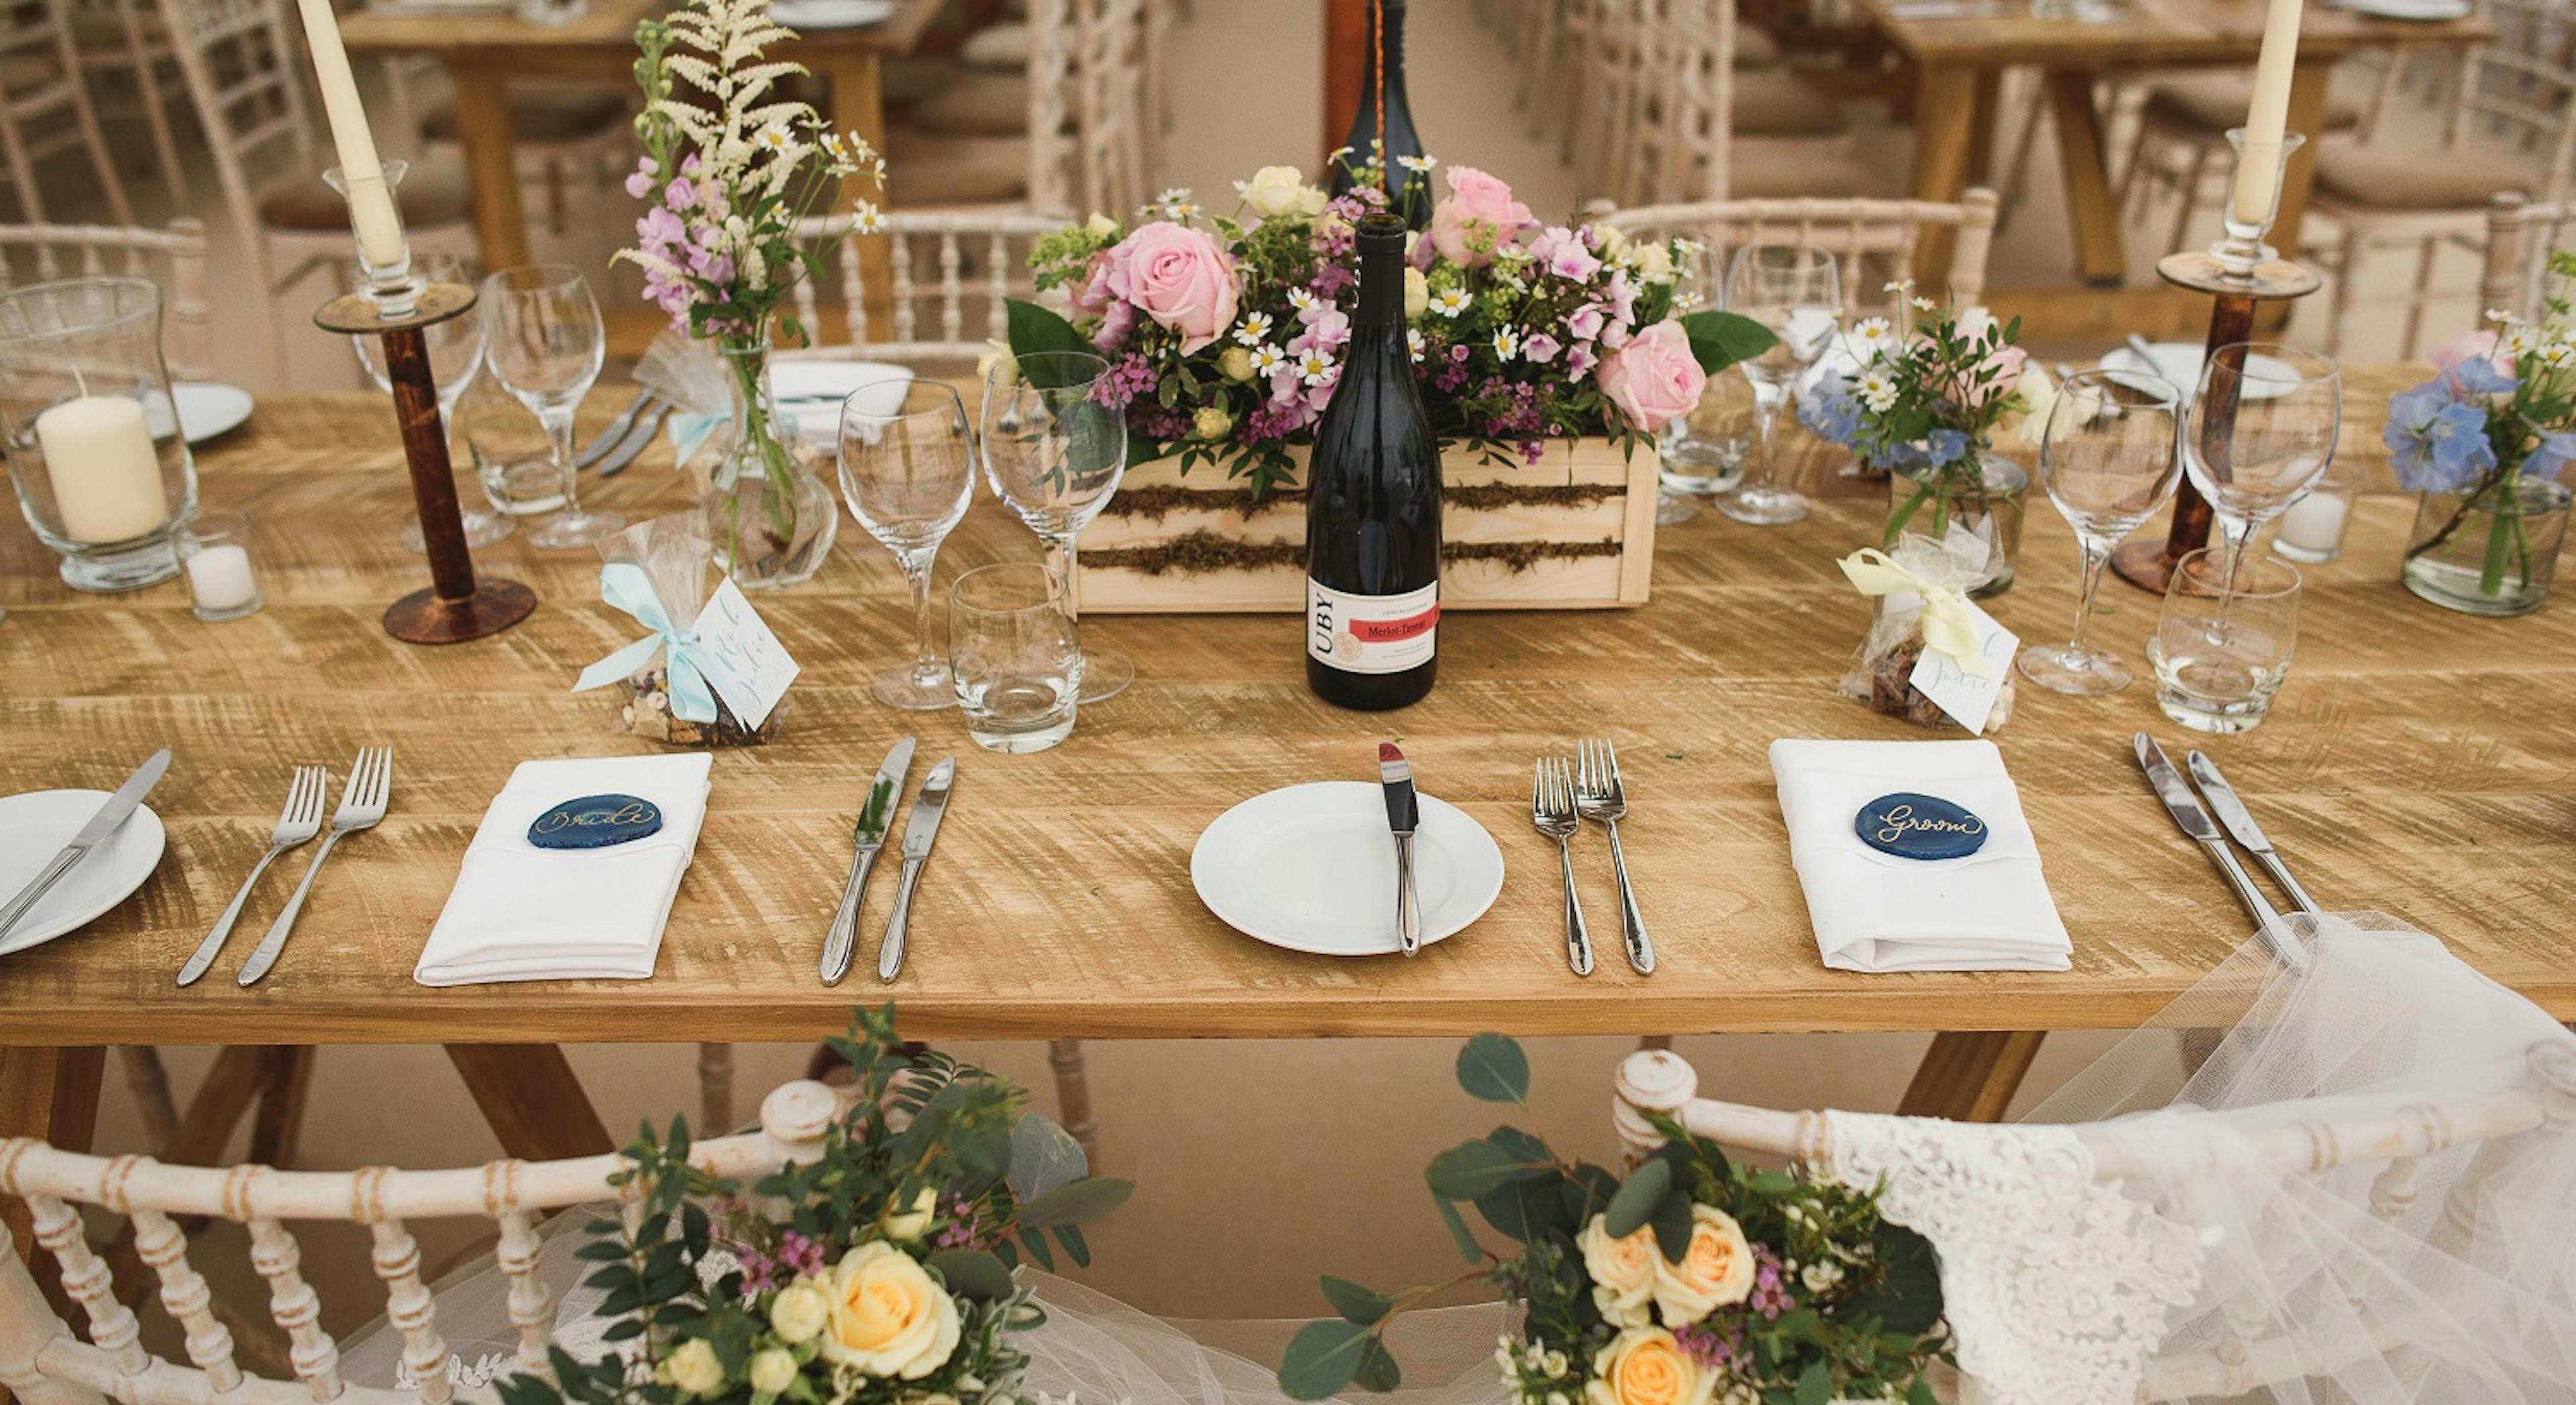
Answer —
(455, 607)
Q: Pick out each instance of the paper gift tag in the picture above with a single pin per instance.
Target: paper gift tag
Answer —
(745, 664)
(1967, 698)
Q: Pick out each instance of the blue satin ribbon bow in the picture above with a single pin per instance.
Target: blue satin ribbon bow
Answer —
(626, 587)
(689, 428)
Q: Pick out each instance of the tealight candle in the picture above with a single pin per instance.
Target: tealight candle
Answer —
(2311, 529)
(221, 584)
(106, 474)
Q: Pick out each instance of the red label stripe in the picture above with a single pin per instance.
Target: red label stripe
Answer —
(1395, 631)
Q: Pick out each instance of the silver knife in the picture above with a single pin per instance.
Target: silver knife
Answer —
(609, 438)
(875, 818)
(2195, 822)
(638, 439)
(927, 807)
(2232, 813)
(96, 832)
(1403, 815)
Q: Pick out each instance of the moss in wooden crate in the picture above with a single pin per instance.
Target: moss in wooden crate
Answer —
(1484, 497)
(1520, 556)
(1163, 499)
(1202, 552)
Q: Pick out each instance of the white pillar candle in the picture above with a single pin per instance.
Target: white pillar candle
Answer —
(105, 471)
(219, 578)
(2269, 116)
(2315, 523)
(371, 201)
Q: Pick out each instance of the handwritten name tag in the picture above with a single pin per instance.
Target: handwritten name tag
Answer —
(1967, 698)
(742, 660)
(1913, 826)
(595, 822)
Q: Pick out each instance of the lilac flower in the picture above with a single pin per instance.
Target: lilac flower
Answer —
(1712, 1348)
(759, 1274)
(2437, 443)
(1540, 348)
(658, 228)
(1770, 1295)
(1131, 377)
(1331, 279)
(803, 1255)
(680, 194)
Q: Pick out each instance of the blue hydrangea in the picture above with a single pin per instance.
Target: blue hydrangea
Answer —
(2438, 443)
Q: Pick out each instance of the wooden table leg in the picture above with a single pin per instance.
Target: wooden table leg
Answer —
(858, 109)
(1971, 1077)
(2092, 209)
(491, 161)
(279, 1126)
(531, 1099)
(1945, 132)
(1981, 138)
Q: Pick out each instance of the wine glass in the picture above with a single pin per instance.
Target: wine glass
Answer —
(2259, 432)
(1796, 292)
(2109, 459)
(455, 359)
(907, 469)
(546, 344)
(1055, 453)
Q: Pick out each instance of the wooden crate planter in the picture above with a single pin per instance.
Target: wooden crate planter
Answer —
(1575, 531)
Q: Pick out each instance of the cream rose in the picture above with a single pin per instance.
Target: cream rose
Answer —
(799, 1311)
(1623, 1271)
(887, 1317)
(773, 1371)
(1417, 293)
(1211, 424)
(1102, 225)
(908, 1225)
(694, 1368)
(1716, 1270)
(997, 367)
(1235, 363)
(1654, 262)
(1277, 191)
(1645, 1366)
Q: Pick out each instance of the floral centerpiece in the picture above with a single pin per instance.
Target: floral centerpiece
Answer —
(1694, 1281)
(2484, 442)
(1224, 332)
(1923, 407)
(728, 169)
(878, 1275)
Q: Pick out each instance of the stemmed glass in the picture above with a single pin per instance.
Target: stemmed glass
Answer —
(2258, 433)
(907, 469)
(1055, 453)
(546, 344)
(455, 359)
(2109, 459)
(1795, 291)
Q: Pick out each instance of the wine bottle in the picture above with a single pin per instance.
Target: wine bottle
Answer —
(1409, 190)
(1373, 507)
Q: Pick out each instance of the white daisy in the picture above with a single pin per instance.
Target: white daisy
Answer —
(1266, 359)
(1878, 391)
(1314, 367)
(1255, 329)
(2517, 341)
(1899, 287)
(1923, 305)
(1506, 346)
(2557, 354)
(867, 219)
(1413, 341)
(1450, 303)
(1869, 337)
(1417, 164)
(1302, 300)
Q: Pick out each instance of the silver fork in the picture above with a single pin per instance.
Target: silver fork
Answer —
(296, 824)
(1552, 813)
(362, 804)
(1598, 795)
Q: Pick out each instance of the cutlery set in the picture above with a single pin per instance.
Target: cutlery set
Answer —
(1562, 796)
(876, 818)
(2195, 821)
(363, 798)
(627, 436)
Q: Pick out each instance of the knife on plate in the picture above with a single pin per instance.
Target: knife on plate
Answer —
(927, 808)
(96, 832)
(2195, 821)
(615, 434)
(875, 818)
(1403, 814)
(2231, 812)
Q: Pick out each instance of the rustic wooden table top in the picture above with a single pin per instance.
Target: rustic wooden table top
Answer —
(2418, 762)
(603, 25)
(2142, 32)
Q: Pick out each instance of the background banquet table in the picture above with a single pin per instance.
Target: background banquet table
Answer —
(2418, 761)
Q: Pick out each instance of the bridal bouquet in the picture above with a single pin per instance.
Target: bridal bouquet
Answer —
(880, 1274)
(1225, 333)
(1695, 1281)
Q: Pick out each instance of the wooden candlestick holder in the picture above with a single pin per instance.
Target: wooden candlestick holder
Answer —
(455, 607)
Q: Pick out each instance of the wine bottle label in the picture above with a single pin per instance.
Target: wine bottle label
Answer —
(1371, 633)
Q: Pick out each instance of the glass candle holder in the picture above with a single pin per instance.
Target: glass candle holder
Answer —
(384, 252)
(2311, 530)
(222, 584)
(2243, 250)
(102, 472)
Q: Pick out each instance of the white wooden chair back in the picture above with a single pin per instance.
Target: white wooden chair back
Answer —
(174, 257)
(2521, 236)
(45, 105)
(2397, 1138)
(1877, 240)
(951, 275)
(1681, 120)
(1109, 123)
(2520, 91)
(47, 1362)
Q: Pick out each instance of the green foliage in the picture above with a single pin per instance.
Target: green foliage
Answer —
(1493, 1069)
(1719, 340)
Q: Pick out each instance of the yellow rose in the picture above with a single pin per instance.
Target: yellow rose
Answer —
(1715, 1272)
(1654, 262)
(1236, 363)
(1277, 191)
(799, 1312)
(773, 1371)
(694, 1368)
(1417, 293)
(1645, 1366)
(1623, 1271)
(1211, 424)
(911, 1224)
(1102, 225)
(887, 1317)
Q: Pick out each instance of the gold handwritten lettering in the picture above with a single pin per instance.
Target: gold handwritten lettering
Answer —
(1898, 820)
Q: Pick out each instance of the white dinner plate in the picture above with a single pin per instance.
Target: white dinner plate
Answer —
(2179, 363)
(1311, 868)
(830, 14)
(35, 826)
(2426, 11)
(206, 409)
(810, 393)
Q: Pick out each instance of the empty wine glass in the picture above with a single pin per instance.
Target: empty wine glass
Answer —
(545, 343)
(907, 469)
(2259, 432)
(1796, 292)
(2109, 460)
(1055, 453)
(455, 359)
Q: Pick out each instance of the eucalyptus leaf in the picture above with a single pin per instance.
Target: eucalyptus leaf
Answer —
(1493, 1069)
(1459, 1234)
(1361, 1307)
(1672, 1222)
(1322, 1358)
(1474, 1168)
(1377, 1370)
(1075, 1202)
(1816, 1384)
(1905, 1292)
(972, 1274)
(1043, 1156)
(1638, 1197)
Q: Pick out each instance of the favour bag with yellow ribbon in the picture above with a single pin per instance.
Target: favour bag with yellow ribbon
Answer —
(657, 571)
(1932, 657)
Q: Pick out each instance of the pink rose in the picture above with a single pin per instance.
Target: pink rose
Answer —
(1180, 278)
(1479, 217)
(1654, 377)
(2471, 346)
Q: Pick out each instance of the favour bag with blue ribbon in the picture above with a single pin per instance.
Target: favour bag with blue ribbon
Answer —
(657, 573)
(1932, 657)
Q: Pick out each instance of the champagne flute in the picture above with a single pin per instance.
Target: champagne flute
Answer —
(2110, 459)
(2258, 434)
(907, 469)
(1055, 453)
(546, 345)
(455, 359)
(1796, 292)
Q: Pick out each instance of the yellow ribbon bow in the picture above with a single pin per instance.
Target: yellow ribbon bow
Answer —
(1949, 622)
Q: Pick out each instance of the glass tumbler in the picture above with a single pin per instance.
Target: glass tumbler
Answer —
(1017, 657)
(2223, 646)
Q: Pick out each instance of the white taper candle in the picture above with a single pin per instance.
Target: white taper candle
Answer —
(371, 201)
(2269, 115)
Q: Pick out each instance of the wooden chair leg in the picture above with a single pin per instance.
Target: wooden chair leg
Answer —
(1971, 1077)
(1073, 1095)
(2424, 257)
(2187, 197)
(278, 1127)
(715, 1089)
(1654, 1043)
(2346, 272)
(531, 1099)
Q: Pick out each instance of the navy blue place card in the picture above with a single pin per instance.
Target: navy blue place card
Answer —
(595, 822)
(1913, 826)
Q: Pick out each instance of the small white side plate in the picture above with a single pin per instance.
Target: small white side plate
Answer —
(1312, 868)
(830, 14)
(2179, 363)
(35, 826)
(2427, 11)
(206, 409)
(810, 393)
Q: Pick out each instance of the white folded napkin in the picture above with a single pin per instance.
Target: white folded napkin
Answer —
(1875, 911)
(521, 913)
(810, 393)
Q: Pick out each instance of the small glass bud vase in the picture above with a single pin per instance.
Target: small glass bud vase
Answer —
(1986, 493)
(2492, 552)
(769, 514)
(102, 472)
